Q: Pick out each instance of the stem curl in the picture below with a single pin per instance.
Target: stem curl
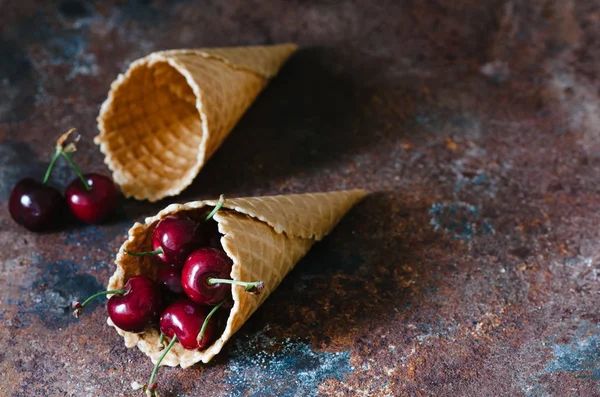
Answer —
(78, 307)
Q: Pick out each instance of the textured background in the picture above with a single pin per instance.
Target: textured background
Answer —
(472, 268)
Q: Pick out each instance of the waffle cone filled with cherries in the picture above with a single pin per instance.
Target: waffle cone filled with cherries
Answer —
(262, 237)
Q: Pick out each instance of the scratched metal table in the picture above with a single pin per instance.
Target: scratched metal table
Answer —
(471, 269)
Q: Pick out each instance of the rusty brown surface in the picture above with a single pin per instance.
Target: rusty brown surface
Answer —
(471, 269)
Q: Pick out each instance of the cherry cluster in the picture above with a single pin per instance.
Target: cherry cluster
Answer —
(38, 206)
(192, 285)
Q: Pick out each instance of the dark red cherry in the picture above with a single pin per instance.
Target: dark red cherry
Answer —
(206, 279)
(202, 265)
(35, 205)
(169, 280)
(95, 202)
(184, 319)
(177, 237)
(133, 308)
(138, 308)
(188, 323)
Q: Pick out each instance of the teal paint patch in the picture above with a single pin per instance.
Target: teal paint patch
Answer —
(50, 297)
(85, 235)
(262, 366)
(581, 356)
(478, 183)
(460, 220)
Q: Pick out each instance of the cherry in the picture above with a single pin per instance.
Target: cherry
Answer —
(138, 308)
(169, 280)
(205, 277)
(132, 308)
(188, 323)
(94, 200)
(35, 205)
(184, 319)
(92, 197)
(176, 236)
(173, 239)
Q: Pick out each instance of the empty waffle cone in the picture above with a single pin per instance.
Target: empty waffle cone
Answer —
(171, 110)
(264, 236)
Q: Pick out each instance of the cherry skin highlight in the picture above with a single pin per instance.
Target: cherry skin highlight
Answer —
(95, 204)
(138, 308)
(35, 205)
(184, 319)
(201, 265)
(177, 237)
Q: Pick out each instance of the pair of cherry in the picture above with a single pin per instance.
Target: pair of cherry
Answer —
(193, 275)
(38, 206)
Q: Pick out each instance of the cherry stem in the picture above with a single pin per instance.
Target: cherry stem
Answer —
(79, 306)
(155, 252)
(74, 166)
(254, 286)
(161, 340)
(216, 209)
(155, 370)
(205, 323)
(51, 165)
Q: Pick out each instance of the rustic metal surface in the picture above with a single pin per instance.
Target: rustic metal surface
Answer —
(472, 268)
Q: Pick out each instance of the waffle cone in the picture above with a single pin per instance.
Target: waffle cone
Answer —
(264, 236)
(171, 111)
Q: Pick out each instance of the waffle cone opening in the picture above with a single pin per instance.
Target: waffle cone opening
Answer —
(166, 116)
(152, 126)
